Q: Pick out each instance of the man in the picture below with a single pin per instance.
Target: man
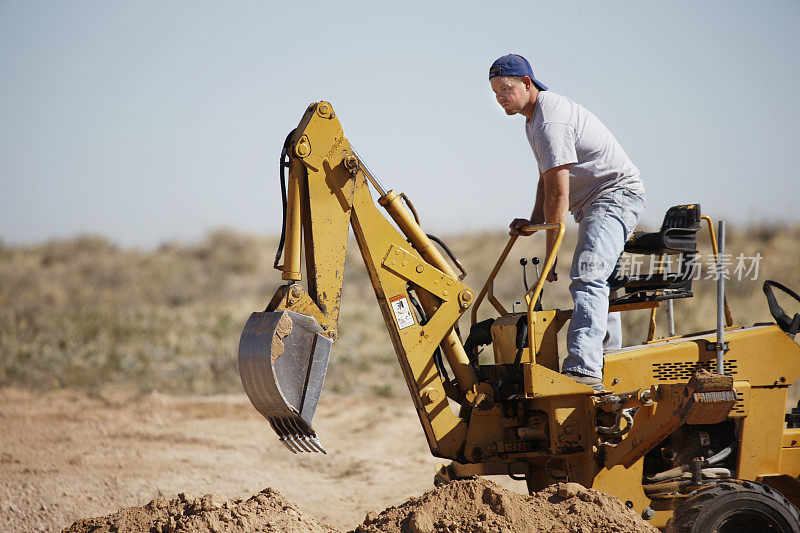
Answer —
(583, 169)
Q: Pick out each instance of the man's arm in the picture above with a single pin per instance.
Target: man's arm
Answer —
(556, 205)
(552, 204)
(537, 215)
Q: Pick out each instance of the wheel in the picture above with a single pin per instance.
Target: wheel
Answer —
(736, 506)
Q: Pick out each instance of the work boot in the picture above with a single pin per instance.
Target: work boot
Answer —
(593, 382)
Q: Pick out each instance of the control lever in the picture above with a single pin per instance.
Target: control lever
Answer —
(524, 263)
(538, 305)
(535, 262)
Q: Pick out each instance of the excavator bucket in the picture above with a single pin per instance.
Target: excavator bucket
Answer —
(283, 358)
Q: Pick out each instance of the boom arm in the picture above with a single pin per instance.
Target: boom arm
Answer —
(328, 191)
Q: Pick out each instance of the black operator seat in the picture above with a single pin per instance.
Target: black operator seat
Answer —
(677, 237)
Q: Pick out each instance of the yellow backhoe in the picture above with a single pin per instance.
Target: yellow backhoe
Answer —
(690, 431)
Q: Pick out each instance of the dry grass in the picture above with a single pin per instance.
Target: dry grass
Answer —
(84, 313)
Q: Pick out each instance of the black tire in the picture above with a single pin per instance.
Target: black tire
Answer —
(735, 506)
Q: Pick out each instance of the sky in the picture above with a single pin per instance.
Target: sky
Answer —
(154, 121)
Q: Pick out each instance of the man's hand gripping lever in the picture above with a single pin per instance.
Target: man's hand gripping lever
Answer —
(521, 227)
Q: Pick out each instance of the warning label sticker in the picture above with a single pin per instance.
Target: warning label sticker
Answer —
(402, 312)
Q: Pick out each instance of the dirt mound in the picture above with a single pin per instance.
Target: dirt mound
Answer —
(266, 511)
(480, 506)
(467, 506)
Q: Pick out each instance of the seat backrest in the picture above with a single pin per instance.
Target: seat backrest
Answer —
(679, 230)
(682, 216)
(678, 235)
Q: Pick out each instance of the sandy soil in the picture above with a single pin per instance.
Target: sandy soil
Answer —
(462, 506)
(67, 455)
(480, 506)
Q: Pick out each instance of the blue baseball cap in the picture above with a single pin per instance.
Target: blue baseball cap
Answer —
(514, 65)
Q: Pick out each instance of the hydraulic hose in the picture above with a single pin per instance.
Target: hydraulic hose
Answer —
(283, 163)
(512, 373)
(437, 354)
(719, 456)
(678, 471)
(450, 254)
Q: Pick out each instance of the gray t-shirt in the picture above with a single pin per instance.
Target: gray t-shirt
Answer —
(562, 132)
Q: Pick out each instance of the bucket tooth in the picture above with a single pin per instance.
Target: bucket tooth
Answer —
(288, 436)
(289, 444)
(295, 427)
(314, 441)
(283, 359)
(277, 427)
(289, 441)
(302, 441)
(303, 436)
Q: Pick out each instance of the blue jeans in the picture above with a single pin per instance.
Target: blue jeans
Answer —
(607, 223)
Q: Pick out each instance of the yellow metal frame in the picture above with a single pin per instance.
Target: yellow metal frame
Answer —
(329, 192)
(533, 293)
